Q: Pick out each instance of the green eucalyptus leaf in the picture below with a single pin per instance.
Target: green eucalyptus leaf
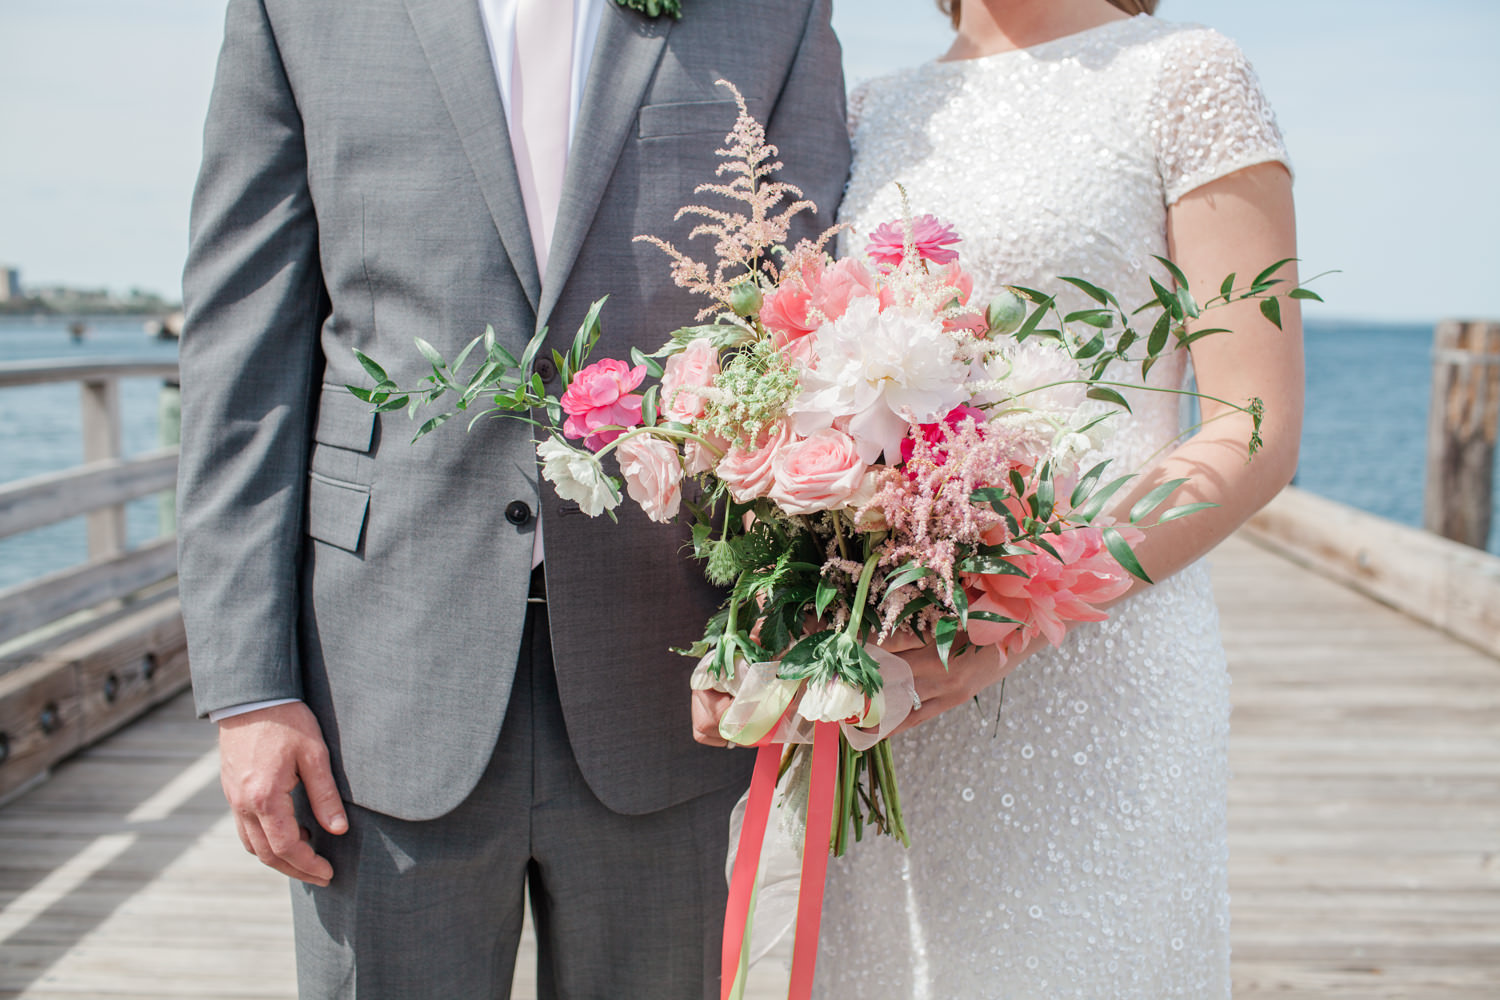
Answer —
(1264, 277)
(432, 425)
(991, 566)
(1227, 285)
(431, 353)
(363, 395)
(1271, 310)
(463, 355)
(1093, 291)
(1304, 293)
(1087, 483)
(1105, 394)
(1173, 270)
(1196, 335)
(944, 633)
(394, 403)
(1094, 506)
(1162, 329)
(1090, 349)
(649, 411)
(1184, 511)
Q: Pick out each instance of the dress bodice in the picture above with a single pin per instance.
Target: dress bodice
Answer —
(1062, 159)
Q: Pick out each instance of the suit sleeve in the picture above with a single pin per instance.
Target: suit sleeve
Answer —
(254, 299)
(809, 121)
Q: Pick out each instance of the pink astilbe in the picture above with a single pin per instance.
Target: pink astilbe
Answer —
(1053, 594)
(928, 238)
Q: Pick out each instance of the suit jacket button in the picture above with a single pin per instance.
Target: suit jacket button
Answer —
(517, 513)
(546, 369)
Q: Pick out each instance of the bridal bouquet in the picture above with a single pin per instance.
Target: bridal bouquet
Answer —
(876, 454)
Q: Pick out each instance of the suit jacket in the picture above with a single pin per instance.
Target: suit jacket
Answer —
(358, 190)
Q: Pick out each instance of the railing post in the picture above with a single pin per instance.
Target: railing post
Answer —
(1461, 431)
(100, 400)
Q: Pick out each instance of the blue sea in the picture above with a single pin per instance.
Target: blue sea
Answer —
(1364, 442)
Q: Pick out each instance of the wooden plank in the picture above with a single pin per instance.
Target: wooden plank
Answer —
(33, 605)
(1461, 429)
(100, 406)
(28, 504)
(1450, 586)
(41, 372)
(41, 722)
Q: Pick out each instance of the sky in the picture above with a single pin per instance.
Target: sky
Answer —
(1390, 108)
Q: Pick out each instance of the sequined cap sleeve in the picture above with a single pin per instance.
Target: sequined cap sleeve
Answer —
(1210, 116)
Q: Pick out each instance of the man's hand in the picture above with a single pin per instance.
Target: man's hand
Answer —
(708, 708)
(263, 756)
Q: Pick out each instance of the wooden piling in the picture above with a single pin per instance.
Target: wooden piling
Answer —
(1462, 428)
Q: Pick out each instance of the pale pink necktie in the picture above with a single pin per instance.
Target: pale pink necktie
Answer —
(541, 86)
(541, 99)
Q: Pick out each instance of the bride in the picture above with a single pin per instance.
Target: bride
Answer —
(1074, 844)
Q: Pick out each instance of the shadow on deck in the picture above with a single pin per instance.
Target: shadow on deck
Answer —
(1364, 819)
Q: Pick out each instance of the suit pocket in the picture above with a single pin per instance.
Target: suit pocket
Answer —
(336, 511)
(344, 421)
(688, 118)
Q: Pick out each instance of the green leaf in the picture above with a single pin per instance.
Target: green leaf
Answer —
(463, 355)
(649, 405)
(1167, 299)
(1101, 319)
(1091, 477)
(533, 347)
(1124, 555)
(639, 357)
(1271, 310)
(1032, 321)
(993, 496)
(1174, 270)
(991, 566)
(1105, 394)
(1093, 291)
(432, 425)
(1039, 298)
(371, 368)
(1304, 293)
(1094, 506)
(394, 403)
(824, 596)
(1227, 285)
(363, 395)
(910, 572)
(1153, 499)
(1090, 349)
(945, 632)
(431, 354)
(1189, 304)
(1157, 342)
(1184, 511)
(1127, 338)
(993, 616)
(1265, 276)
(1046, 547)
(1046, 497)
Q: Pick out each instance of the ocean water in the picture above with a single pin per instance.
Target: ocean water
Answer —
(1364, 440)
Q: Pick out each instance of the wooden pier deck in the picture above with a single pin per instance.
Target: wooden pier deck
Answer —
(1364, 817)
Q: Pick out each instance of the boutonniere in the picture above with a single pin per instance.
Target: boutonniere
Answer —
(654, 8)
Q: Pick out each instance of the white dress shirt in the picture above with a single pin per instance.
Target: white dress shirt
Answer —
(499, 17)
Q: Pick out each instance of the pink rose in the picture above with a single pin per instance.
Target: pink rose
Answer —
(747, 473)
(653, 475)
(694, 367)
(817, 473)
(600, 396)
(698, 458)
(930, 241)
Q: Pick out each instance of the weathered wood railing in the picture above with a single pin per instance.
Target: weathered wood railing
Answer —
(85, 649)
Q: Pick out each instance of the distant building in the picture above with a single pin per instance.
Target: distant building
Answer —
(10, 283)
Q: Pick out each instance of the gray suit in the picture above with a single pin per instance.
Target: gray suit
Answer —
(358, 190)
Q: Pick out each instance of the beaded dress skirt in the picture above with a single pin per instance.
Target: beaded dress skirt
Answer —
(1074, 844)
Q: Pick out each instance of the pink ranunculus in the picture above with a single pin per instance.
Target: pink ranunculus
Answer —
(653, 475)
(820, 472)
(1054, 594)
(785, 314)
(694, 367)
(937, 433)
(600, 396)
(962, 284)
(930, 241)
(747, 472)
(846, 280)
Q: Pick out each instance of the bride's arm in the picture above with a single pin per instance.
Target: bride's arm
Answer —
(1238, 224)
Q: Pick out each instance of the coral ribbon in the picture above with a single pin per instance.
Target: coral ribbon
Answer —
(746, 861)
(825, 759)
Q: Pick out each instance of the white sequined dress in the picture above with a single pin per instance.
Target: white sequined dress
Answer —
(1078, 848)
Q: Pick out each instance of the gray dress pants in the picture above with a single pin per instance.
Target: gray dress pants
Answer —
(625, 907)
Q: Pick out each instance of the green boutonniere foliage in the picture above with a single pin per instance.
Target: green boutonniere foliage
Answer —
(654, 8)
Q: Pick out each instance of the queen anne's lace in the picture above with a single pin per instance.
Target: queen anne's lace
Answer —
(1077, 849)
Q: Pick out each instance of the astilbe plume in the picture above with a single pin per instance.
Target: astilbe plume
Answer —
(742, 238)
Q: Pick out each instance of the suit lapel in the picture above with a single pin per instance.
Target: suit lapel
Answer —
(453, 39)
(625, 59)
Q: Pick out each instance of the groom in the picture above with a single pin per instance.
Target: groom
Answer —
(370, 622)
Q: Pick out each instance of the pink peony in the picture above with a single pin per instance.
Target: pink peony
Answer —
(692, 368)
(653, 475)
(785, 314)
(817, 473)
(845, 281)
(747, 473)
(930, 240)
(600, 396)
(1055, 593)
(936, 434)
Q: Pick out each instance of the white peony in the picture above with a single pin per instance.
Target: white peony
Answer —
(578, 476)
(832, 700)
(883, 371)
